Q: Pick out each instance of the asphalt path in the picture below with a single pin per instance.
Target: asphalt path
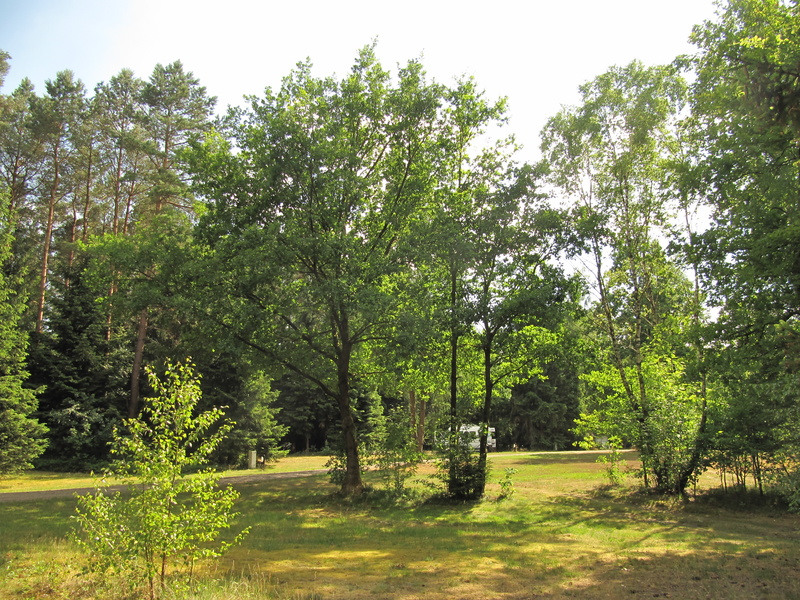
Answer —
(66, 493)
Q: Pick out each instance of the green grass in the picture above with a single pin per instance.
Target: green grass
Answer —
(561, 535)
(37, 481)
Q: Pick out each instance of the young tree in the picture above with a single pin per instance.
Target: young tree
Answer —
(165, 514)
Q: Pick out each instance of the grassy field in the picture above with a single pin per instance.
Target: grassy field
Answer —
(561, 535)
(36, 481)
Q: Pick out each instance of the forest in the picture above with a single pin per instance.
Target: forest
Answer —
(360, 266)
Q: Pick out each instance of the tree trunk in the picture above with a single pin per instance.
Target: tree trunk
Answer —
(416, 408)
(48, 235)
(88, 198)
(133, 405)
(45, 267)
(488, 386)
(421, 425)
(352, 484)
(412, 410)
(117, 191)
(452, 483)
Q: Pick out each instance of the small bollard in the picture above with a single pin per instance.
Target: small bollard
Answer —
(251, 459)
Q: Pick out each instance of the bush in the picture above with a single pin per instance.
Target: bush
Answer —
(616, 467)
(395, 454)
(462, 471)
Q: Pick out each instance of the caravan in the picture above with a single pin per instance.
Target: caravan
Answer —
(472, 436)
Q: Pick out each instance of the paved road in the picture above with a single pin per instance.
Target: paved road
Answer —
(66, 493)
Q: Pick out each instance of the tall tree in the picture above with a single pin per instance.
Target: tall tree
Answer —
(176, 109)
(514, 291)
(4, 66)
(55, 119)
(21, 435)
(20, 149)
(747, 126)
(310, 219)
(607, 156)
(745, 104)
(464, 182)
(21, 162)
(124, 141)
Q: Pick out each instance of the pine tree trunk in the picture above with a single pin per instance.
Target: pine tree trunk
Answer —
(421, 425)
(45, 267)
(133, 405)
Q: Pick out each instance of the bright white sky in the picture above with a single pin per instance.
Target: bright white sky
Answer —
(534, 52)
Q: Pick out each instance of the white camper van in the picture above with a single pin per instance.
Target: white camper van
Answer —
(472, 433)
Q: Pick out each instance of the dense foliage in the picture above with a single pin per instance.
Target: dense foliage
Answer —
(363, 264)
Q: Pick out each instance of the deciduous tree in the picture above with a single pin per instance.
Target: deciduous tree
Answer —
(166, 514)
(308, 221)
(606, 156)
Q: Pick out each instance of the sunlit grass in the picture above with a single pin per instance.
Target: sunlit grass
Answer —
(37, 481)
(563, 534)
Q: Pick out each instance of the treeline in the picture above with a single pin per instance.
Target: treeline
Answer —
(101, 211)
(351, 265)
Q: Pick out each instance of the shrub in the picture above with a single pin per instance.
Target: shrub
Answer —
(616, 467)
(395, 454)
(507, 484)
(462, 471)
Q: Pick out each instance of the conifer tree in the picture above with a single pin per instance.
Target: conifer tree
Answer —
(20, 434)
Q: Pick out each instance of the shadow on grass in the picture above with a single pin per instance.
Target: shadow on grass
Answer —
(24, 522)
(599, 543)
(589, 545)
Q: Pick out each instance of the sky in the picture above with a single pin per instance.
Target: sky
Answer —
(534, 52)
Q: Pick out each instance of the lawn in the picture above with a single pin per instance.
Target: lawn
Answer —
(563, 534)
(36, 481)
